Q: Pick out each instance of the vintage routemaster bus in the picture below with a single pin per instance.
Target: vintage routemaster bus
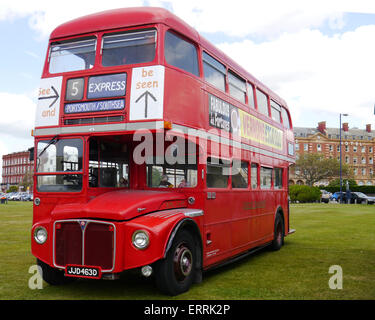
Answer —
(153, 151)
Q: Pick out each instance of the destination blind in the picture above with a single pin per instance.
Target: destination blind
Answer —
(94, 106)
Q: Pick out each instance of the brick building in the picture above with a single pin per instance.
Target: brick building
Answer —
(15, 166)
(358, 146)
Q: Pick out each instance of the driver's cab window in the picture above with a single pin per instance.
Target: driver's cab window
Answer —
(108, 163)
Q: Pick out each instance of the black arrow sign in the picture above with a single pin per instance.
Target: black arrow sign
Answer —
(146, 94)
(56, 97)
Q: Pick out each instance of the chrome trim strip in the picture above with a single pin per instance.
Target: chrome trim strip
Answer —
(129, 126)
(170, 215)
(194, 213)
(165, 214)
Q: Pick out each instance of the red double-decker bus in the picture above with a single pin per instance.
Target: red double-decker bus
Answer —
(153, 150)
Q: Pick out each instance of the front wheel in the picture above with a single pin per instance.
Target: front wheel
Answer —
(175, 274)
(278, 239)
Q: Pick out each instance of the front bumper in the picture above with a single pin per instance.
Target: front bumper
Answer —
(106, 244)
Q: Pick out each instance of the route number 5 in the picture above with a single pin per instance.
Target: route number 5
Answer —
(74, 89)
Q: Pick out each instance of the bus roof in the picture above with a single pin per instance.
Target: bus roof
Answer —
(122, 18)
(138, 16)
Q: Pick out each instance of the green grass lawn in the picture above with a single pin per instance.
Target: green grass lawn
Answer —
(327, 234)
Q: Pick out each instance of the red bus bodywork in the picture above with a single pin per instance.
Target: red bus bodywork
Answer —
(94, 226)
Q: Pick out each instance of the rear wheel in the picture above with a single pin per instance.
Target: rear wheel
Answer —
(278, 239)
(175, 273)
(53, 276)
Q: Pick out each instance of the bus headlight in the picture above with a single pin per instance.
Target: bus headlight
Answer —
(140, 239)
(40, 235)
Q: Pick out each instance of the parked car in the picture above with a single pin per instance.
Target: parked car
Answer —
(9, 195)
(26, 197)
(360, 197)
(355, 197)
(13, 196)
(336, 196)
(18, 196)
(325, 197)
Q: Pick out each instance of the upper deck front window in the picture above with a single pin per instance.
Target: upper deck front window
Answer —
(75, 55)
(129, 48)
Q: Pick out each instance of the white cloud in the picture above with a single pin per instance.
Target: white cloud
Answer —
(32, 54)
(263, 18)
(17, 115)
(44, 16)
(234, 18)
(315, 72)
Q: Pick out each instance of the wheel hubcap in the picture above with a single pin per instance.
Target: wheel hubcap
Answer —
(183, 262)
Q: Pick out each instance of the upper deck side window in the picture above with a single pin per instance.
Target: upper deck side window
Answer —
(72, 55)
(214, 71)
(237, 87)
(286, 119)
(180, 53)
(262, 102)
(135, 46)
(275, 111)
(250, 94)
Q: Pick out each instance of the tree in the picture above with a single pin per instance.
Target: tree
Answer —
(302, 193)
(27, 181)
(314, 167)
(12, 189)
(336, 183)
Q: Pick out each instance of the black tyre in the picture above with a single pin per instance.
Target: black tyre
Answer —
(175, 274)
(53, 276)
(278, 239)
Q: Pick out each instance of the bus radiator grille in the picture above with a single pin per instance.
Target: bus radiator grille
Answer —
(84, 242)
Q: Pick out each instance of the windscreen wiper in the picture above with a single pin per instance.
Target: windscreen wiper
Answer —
(52, 141)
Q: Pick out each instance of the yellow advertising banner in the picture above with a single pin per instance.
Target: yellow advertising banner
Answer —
(260, 131)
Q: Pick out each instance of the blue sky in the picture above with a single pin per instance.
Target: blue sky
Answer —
(22, 62)
(317, 55)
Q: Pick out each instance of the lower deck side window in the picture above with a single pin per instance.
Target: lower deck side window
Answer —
(278, 178)
(240, 174)
(172, 176)
(254, 176)
(217, 173)
(265, 178)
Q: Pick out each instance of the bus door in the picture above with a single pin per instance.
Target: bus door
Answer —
(241, 204)
(266, 203)
(217, 235)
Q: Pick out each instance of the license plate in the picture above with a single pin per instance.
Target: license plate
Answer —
(83, 272)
